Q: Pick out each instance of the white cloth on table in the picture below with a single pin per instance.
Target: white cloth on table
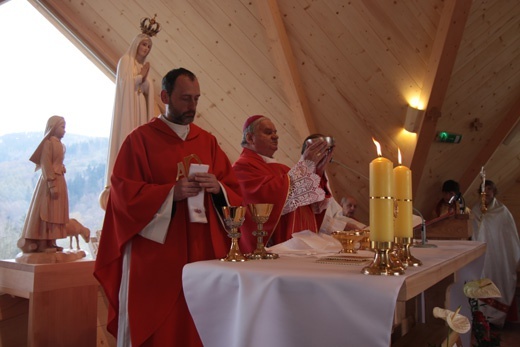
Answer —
(296, 301)
(290, 301)
(307, 242)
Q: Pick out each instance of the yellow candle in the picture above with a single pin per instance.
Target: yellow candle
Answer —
(381, 199)
(403, 195)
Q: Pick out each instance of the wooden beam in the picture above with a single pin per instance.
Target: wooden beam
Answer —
(440, 66)
(57, 12)
(499, 135)
(286, 63)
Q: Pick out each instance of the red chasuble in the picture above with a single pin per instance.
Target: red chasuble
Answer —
(148, 165)
(262, 182)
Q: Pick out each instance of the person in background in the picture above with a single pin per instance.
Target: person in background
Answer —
(496, 227)
(349, 206)
(160, 216)
(341, 217)
(450, 201)
(48, 213)
(134, 100)
(299, 194)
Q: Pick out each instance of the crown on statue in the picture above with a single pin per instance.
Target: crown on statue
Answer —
(149, 26)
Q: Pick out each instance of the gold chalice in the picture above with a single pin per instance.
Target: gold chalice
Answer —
(234, 218)
(349, 239)
(260, 214)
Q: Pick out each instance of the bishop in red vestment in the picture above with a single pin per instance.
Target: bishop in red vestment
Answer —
(151, 230)
(299, 194)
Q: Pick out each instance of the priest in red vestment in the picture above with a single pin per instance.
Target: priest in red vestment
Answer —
(168, 185)
(299, 194)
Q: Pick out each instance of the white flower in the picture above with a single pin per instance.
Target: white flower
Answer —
(480, 289)
(456, 321)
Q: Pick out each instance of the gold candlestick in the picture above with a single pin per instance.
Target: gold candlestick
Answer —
(402, 246)
(260, 214)
(382, 263)
(234, 218)
(364, 244)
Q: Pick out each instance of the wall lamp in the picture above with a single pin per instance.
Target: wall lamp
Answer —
(413, 119)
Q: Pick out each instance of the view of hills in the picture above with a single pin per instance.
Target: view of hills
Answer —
(85, 160)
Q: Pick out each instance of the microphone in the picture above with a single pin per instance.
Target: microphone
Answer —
(454, 198)
(424, 242)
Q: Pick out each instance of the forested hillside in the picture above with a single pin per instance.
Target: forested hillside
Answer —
(85, 160)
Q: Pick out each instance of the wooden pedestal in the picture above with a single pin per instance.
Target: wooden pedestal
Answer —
(455, 227)
(62, 307)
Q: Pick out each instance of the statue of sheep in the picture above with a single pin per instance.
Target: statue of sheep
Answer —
(75, 228)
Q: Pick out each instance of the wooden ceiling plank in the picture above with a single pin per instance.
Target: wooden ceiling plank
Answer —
(284, 58)
(444, 54)
(79, 34)
(494, 141)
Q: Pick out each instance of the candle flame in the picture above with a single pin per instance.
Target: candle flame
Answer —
(399, 159)
(378, 146)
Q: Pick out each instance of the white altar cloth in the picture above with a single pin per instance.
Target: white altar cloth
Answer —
(295, 301)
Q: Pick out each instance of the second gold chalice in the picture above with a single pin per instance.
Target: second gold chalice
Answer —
(349, 239)
(260, 214)
(234, 218)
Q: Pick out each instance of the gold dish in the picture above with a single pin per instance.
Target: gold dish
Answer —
(350, 240)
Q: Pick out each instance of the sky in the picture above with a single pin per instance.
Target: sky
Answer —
(44, 74)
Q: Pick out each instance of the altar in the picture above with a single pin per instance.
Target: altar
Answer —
(297, 301)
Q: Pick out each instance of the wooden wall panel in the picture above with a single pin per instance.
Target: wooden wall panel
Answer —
(352, 69)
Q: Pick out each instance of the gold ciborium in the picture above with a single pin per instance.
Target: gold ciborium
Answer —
(349, 240)
(260, 214)
(234, 218)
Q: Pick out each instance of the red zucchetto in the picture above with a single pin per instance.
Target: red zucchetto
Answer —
(251, 120)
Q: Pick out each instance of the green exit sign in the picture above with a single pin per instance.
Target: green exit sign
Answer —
(444, 136)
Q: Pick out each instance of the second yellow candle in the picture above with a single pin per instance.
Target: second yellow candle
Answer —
(403, 195)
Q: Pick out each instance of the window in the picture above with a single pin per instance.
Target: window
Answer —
(44, 74)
